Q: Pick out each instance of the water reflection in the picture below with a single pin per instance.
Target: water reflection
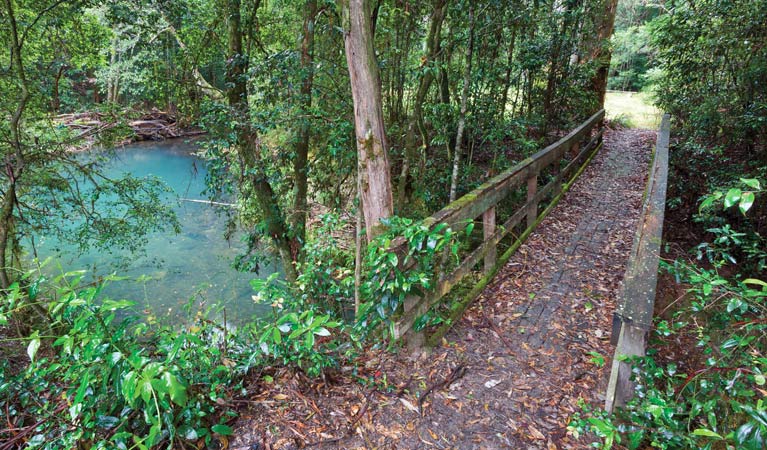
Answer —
(195, 265)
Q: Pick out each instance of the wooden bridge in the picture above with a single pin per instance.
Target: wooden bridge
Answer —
(558, 301)
(528, 340)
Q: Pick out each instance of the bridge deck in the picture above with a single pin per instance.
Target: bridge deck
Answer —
(533, 343)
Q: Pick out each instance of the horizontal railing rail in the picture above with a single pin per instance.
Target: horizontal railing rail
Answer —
(633, 316)
(573, 151)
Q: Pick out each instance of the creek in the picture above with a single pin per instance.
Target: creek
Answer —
(193, 267)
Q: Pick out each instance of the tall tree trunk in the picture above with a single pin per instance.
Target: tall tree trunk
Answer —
(464, 103)
(509, 66)
(601, 53)
(300, 161)
(372, 147)
(14, 164)
(424, 83)
(114, 75)
(248, 144)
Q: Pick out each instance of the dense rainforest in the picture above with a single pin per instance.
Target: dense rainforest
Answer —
(330, 130)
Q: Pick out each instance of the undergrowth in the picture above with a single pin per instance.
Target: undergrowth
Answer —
(720, 403)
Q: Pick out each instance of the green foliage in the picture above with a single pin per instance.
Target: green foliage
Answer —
(714, 397)
(714, 100)
(739, 242)
(409, 268)
(116, 383)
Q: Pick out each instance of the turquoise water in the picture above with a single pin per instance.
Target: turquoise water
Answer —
(193, 266)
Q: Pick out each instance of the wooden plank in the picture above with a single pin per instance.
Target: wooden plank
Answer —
(488, 230)
(532, 205)
(633, 317)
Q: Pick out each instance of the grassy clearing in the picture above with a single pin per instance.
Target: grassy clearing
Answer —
(633, 109)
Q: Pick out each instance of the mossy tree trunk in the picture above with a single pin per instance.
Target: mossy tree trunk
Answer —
(372, 146)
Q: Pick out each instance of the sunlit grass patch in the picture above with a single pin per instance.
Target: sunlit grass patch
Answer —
(632, 109)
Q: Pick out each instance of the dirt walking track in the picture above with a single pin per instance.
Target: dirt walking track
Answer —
(512, 372)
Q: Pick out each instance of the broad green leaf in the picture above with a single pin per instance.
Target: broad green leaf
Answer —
(223, 430)
(759, 379)
(322, 331)
(753, 183)
(732, 197)
(34, 346)
(746, 202)
(707, 433)
(176, 389)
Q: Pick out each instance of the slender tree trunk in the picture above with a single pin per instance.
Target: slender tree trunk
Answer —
(55, 98)
(464, 103)
(248, 144)
(601, 53)
(300, 168)
(509, 66)
(14, 164)
(424, 83)
(372, 147)
(114, 75)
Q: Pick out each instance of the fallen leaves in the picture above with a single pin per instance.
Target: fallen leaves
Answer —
(524, 339)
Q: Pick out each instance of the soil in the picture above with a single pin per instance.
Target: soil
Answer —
(512, 372)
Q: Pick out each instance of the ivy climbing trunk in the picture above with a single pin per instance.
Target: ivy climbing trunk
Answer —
(248, 146)
(372, 147)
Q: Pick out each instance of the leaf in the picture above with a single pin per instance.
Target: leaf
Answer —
(744, 431)
(322, 331)
(409, 405)
(755, 281)
(707, 433)
(732, 197)
(223, 430)
(746, 202)
(753, 183)
(176, 389)
(34, 346)
(536, 433)
(759, 379)
(492, 383)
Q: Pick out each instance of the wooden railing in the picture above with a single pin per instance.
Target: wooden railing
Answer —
(559, 164)
(633, 316)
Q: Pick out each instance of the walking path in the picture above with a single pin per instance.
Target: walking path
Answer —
(513, 371)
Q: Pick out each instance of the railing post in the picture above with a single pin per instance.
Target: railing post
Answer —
(532, 207)
(574, 149)
(488, 228)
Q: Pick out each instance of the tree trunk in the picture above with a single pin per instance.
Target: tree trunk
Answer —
(464, 102)
(301, 184)
(507, 78)
(601, 53)
(416, 120)
(55, 99)
(14, 164)
(248, 144)
(372, 147)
